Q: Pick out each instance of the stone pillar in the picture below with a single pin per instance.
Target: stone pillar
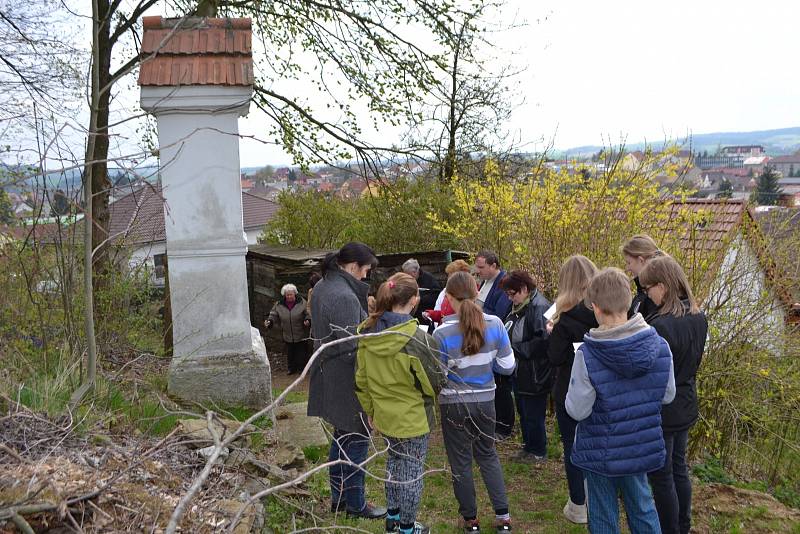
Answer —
(217, 355)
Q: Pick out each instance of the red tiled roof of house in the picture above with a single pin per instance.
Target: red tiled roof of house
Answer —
(257, 210)
(138, 217)
(195, 51)
(785, 159)
(709, 239)
(722, 219)
(46, 232)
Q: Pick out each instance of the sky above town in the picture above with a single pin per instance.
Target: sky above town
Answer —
(596, 72)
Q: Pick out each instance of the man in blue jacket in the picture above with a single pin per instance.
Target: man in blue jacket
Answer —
(493, 299)
(495, 302)
(622, 374)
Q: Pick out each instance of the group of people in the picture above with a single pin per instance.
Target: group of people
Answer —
(620, 367)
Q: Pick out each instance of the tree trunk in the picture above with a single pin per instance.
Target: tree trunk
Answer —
(97, 156)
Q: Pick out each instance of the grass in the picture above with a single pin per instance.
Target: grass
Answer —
(536, 496)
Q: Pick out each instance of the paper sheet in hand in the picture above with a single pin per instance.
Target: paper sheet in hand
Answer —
(551, 311)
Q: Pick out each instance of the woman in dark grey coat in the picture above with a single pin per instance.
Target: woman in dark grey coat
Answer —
(290, 315)
(338, 307)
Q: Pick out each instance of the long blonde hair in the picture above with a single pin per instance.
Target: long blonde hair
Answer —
(668, 272)
(573, 279)
(461, 286)
(641, 245)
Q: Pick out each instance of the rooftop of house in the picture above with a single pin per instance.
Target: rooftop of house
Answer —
(138, 217)
(196, 51)
(786, 159)
(720, 219)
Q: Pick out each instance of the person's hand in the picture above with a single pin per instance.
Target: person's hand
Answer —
(306, 323)
(549, 327)
(268, 323)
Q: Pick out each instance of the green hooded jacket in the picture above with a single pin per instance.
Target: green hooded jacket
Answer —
(398, 379)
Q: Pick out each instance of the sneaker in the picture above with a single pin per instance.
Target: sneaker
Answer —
(503, 526)
(370, 511)
(575, 513)
(392, 525)
(419, 528)
(470, 525)
(529, 458)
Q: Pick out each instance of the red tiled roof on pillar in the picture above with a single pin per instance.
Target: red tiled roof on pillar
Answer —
(196, 51)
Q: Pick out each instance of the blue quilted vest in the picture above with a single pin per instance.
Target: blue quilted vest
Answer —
(622, 436)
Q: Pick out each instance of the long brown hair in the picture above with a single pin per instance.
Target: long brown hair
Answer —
(573, 279)
(396, 291)
(668, 272)
(461, 286)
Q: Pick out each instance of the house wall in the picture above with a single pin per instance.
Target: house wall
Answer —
(252, 235)
(142, 257)
(741, 304)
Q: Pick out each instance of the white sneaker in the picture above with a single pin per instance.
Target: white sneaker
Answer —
(575, 512)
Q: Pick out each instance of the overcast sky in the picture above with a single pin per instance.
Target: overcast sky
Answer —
(646, 70)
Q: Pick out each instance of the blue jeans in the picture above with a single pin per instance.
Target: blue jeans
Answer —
(347, 481)
(603, 504)
(567, 425)
(672, 488)
(532, 410)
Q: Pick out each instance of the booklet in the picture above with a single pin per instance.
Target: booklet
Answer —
(551, 311)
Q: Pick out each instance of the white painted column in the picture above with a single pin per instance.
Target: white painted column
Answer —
(217, 354)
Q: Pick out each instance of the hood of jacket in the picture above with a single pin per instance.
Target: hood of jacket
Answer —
(629, 349)
(582, 314)
(389, 345)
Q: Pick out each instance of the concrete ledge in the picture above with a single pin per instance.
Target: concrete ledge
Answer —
(229, 380)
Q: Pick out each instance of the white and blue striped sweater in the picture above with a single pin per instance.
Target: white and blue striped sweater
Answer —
(471, 378)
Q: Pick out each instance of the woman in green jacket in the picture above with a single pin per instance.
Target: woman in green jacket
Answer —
(397, 381)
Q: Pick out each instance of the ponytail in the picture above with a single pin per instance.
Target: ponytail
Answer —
(461, 286)
(352, 252)
(472, 324)
(396, 291)
(330, 263)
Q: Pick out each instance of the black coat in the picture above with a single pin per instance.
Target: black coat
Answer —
(572, 325)
(429, 292)
(686, 337)
(641, 303)
(528, 335)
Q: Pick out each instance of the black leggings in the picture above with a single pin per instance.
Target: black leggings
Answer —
(297, 356)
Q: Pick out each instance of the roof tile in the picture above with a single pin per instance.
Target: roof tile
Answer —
(200, 52)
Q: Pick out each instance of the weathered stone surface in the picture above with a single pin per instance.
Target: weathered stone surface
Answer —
(229, 508)
(289, 455)
(257, 485)
(240, 379)
(197, 430)
(295, 427)
(244, 459)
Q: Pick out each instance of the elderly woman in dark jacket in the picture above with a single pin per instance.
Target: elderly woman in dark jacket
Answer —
(681, 323)
(290, 315)
(527, 330)
(571, 322)
(339, 305)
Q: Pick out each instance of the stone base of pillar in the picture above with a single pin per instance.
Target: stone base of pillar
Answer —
(224, 379)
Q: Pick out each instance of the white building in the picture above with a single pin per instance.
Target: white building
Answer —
(137, 227)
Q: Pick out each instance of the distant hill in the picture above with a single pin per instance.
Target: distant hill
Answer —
(776, 142)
